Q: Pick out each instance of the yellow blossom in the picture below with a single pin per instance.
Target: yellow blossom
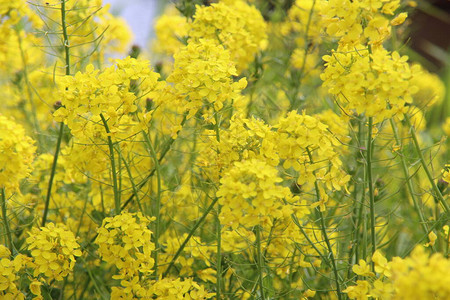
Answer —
(53, 249)
(16, 154)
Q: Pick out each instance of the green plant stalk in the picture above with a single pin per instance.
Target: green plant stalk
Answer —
(219, 256)
(113, 166)
(161, 157)
(191, 233)
(407, 177)
(133, 185)
(436, 191)
(260, 262)
(219, 227)
(5, 222)
(325, 235)
(331, 254)
(61, 126)
(357, 210)
(302, 69)
(293, 103)
(158, 202)
(52, 174)
(369, 150)
(30, 94)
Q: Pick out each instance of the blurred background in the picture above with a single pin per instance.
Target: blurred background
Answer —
(140, 15)
(429, 28)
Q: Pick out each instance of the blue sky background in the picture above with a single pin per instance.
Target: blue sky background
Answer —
(140, 15)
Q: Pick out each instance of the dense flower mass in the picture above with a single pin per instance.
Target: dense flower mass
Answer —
(9, 274)
(233, 24)
(307, 146)
(250, 195)
(376, 83)
(125, 241)
(53, 249)
(16, 153)
(202, 73)
(365, 21)
(417, 276)
(266, 150)
(88, 97)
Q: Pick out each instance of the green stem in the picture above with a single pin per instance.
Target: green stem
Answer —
(65, 36)
(325, 235)
(5, 222)
(158, 202)
(52, 174)
(260, 262)
(436, 191)
(30, 94)
(370, 184)
(133, 185)
(113, 166)
(331, 254)
(358, 205)
(61, 126)
(219, 227)
(191, 233)
(165, 150)
(408, 177)
(219, 255)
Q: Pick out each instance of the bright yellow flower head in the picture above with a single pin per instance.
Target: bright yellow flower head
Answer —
(251, 195)
(377, 84)
(305, 144)
(125, 241)
(16, 153)
(203, 75)
(53, 249)
(9, 274)
(235, 25)
(87, 96)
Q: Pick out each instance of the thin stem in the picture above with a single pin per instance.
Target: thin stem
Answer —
(52, 174)
(357, 211)
(191, 233)
(370, 184)
(325, 235)
(330, 249)
(113, 166)
(30, 94)
(437, 192)
(219, 227)
(61, 126)
(161, 157)
(260, 262)
(5, 222)
(133, 185)
(158, 202)
(407, 177)
(219, 255)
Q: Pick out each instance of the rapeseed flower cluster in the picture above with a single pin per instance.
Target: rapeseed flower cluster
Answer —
(305, 145)
(235, 25)
(419, 275)
(54, 250)
(203, 74)
(88, 97)
(16, 154)
(250, 195)
(378, 83)
(361, 22)
(125, 242)
(9, 274)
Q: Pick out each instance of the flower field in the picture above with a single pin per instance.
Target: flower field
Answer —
(254, 150)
